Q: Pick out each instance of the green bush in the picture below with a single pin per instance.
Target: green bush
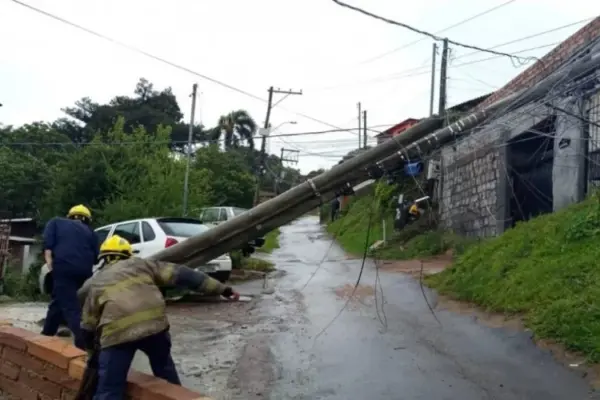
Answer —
(545, 269)
(271, 242)
(23, 287)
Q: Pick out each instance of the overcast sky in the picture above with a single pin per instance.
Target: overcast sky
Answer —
(329, 52)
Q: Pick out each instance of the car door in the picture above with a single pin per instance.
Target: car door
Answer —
(222, 215)
(151, 243)
(131, 232)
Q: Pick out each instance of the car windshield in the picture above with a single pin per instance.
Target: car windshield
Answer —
(182, 229)
(238, 211)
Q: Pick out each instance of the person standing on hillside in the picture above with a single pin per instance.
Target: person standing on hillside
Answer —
(70, 249)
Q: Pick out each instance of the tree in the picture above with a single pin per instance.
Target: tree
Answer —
(39, 140)
(123, 175)
(24, 180)
(230, 178)
(148, 108)
(235, 128)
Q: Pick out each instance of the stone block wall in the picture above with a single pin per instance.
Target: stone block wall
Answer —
(35, 367)
(471, 188)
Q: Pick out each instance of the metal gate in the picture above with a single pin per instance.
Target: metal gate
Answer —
(4, 249)
(592, 109)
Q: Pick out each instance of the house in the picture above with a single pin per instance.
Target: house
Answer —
(23, 247)
(534, 159)
(396, 130)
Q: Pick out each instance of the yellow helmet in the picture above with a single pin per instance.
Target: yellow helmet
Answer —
(116, 246)
(80, 211)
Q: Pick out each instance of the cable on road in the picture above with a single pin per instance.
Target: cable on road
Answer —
(362, 268)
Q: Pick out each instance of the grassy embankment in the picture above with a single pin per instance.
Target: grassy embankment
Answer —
(546, 270)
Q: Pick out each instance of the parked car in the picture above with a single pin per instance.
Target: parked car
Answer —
(150, 235)
(213, 216)
(217, 215)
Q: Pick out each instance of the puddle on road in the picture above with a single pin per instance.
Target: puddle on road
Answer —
(355, 297)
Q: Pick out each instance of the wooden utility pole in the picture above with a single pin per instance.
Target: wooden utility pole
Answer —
(364, 129)
(359, 122)
(433, 60)
(189, 150)
(443, 79)
(263, 145)
(293, 159)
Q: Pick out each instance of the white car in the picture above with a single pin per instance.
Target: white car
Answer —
(150, 235)
(213, 216)
(216, 215)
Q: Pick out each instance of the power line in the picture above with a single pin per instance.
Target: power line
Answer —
(208, 141)
(431, 35)
(417, 71)
(512, 41)
(464, 21)
(170, 63)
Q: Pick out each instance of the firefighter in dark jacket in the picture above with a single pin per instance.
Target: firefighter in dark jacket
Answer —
(70, 251)
(124, 311)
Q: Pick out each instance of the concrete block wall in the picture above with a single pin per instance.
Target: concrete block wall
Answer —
(35, 367)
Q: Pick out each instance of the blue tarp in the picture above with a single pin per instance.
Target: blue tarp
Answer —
(413, 169)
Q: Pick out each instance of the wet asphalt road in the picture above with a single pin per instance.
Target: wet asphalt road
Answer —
(269, 349)
(413, 358)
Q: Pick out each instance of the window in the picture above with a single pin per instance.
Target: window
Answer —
(182, 229)
(238, 211)
(210, 215)
(147, 232)
(129, 231)
(223, 215)
(103, 234)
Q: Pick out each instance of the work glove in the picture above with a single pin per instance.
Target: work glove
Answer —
(230, 294)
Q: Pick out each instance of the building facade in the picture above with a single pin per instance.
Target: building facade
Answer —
(533, 160)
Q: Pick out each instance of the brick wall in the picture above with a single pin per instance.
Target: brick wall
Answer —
(549, 63)
(35, 367)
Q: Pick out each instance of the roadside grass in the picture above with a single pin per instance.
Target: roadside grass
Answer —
(271, 242)
(546, 270)
(257, 264)
(350, 229)
(420, 239)
(428, 244)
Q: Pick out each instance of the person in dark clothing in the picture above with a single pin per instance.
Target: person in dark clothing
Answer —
(335, 208)
(71, 248)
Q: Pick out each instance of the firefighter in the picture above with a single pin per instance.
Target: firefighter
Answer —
(124, 311)
(70, 251)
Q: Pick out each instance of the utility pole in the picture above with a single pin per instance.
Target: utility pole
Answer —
(433, 60)
(364, 129)
(189, 150)
(359, 122)
(293, 159)
(263, 144)
(443, 78)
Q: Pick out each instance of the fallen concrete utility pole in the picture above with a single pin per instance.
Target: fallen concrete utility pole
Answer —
(295, 202)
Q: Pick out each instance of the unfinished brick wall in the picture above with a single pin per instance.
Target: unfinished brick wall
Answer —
(35, 367)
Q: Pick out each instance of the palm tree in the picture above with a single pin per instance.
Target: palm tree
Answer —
(236, 127)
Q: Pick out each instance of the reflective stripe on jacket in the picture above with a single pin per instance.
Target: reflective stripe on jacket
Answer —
(124, 299)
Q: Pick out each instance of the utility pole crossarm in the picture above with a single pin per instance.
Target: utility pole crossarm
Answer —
(263, 145)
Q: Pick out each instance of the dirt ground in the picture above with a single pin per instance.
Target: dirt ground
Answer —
(429, 266)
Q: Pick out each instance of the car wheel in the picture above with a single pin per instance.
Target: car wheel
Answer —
(221, 276)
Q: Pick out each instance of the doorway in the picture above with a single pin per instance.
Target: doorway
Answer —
(529, 170)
